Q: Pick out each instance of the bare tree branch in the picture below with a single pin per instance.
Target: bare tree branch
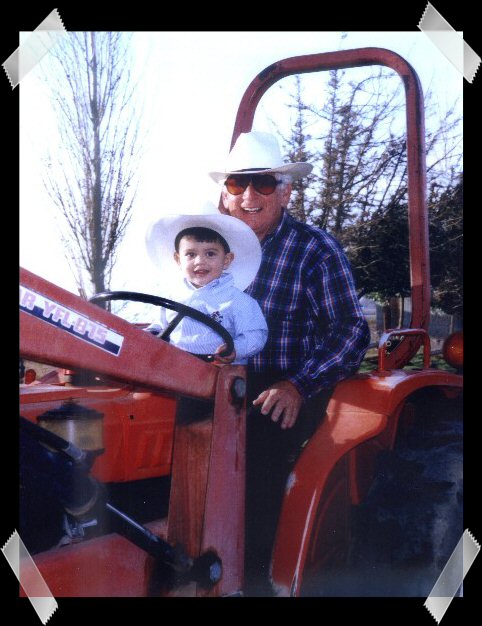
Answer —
(91, 172)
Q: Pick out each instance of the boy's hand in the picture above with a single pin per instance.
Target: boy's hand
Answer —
(224, 359)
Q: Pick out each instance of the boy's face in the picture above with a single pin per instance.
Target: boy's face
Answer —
(202, 261)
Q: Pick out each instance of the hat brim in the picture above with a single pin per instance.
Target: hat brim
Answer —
(295, 170)
(241, 239)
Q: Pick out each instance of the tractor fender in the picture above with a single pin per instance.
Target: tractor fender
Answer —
(360, 408)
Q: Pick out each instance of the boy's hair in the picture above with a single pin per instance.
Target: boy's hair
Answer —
(201, 234)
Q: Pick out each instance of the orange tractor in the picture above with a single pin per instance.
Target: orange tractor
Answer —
(119, 500)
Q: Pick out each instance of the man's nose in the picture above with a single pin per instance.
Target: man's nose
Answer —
(249, 192)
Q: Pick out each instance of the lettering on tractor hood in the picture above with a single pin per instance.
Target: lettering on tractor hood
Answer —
(70, 321)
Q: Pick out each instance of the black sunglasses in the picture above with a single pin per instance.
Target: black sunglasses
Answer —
(264, 184)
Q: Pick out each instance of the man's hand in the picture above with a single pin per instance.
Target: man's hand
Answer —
(224, 359)
(284, 399)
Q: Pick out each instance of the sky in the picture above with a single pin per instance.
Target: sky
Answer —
(190, 84)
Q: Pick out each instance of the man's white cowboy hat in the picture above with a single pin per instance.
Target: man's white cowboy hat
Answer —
(259, 153)
(241, 240)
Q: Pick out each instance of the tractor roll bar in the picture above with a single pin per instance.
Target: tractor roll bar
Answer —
(415, 118)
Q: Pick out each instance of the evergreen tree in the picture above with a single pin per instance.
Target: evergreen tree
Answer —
(446, 247)
(358, 188)
(301, 205)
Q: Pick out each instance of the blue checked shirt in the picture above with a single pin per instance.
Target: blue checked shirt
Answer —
(317, 332)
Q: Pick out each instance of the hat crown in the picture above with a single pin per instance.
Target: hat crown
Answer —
(254, 150)
(259, 151)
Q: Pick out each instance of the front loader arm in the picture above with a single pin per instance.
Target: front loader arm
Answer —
(61, 329)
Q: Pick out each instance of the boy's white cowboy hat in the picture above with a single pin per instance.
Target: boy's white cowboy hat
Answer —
(240, 238)
(259, 153)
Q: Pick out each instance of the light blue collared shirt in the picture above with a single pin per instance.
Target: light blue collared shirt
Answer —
(239, 313)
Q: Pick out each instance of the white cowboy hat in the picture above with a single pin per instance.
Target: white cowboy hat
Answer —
(259, 153)
(242, 242)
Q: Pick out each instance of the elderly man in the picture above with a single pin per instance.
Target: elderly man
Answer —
(317, 332)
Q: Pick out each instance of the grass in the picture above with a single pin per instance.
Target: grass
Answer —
(436, 361)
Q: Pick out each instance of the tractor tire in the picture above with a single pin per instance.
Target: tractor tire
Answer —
(412, 518)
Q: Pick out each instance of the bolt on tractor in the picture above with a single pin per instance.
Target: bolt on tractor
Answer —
(117, 499)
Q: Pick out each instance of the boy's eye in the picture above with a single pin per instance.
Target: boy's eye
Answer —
(211, 253)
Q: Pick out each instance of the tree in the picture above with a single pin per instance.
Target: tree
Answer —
(359, 149)
(301, 205)
(358, 189)
(378, 252)
(446, 249)
(91, 175)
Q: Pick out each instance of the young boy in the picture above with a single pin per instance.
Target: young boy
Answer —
(209, 259)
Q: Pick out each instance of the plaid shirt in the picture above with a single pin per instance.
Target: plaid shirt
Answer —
(317, 332)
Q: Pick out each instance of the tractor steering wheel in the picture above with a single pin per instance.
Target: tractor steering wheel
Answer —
(182, 311)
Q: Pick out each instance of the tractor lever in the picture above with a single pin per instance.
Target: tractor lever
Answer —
(51, 465)
(206, 570)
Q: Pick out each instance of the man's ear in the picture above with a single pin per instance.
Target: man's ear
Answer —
(224, 199)
(177, 258)
(286, 194)
(228, 259)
